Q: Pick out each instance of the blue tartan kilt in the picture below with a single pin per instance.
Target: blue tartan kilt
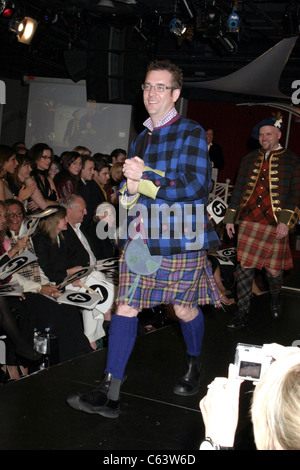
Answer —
(182, 279)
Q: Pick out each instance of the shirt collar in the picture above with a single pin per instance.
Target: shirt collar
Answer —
(162, 122)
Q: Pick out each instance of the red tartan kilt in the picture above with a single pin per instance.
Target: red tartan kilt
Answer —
(259, 248)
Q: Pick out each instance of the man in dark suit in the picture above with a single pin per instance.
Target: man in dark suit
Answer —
(79, 248)
(80, 252)
(215, 151)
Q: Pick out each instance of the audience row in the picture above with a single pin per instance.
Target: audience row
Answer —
(67, 196)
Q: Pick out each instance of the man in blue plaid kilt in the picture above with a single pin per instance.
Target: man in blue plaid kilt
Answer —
(165, 196)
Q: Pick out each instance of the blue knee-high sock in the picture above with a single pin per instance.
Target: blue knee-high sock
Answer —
(122, 336)
(193, 332)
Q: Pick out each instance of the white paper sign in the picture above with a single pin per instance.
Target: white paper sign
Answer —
(16, 263)
(74, 277)
(13, 289)
(79, 299)
(217, 209)
(28, 227)
(225, 255)
(105, 289)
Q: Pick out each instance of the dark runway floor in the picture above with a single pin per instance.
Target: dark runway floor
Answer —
(35, 416)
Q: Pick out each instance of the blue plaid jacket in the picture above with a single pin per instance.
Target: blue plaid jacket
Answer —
(174, 189)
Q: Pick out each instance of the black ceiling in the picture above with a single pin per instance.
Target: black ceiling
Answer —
(83, 27)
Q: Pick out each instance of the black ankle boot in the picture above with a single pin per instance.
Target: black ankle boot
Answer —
(103, 400)
(189, 383)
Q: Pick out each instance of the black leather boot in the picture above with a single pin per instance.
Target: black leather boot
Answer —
(275, 284)
(189, 383)
(103, 400)
(276, 307)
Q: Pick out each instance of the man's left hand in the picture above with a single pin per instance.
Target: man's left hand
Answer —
(133, 169)
(282, 230)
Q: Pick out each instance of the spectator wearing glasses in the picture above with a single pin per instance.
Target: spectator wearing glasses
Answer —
(45, 193)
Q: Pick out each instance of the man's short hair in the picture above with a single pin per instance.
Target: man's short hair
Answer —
(177, 77)
(70, 200)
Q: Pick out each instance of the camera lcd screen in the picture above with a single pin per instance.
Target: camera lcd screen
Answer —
(250, 369)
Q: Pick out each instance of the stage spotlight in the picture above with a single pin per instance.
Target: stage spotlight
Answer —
(177, 27)
(24, 29)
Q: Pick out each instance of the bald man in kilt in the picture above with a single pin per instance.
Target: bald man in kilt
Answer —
(167, 185)
(264, 204)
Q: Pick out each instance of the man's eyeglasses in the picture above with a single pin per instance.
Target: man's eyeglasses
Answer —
(158, 88)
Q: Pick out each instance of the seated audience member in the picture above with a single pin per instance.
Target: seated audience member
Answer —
(101, 175)
(88, 189)
(20, 148)
(64, 320)
(82, 150)
(103, 156)
(8, 164)
(78, 247)
(37, 310)
(117, 176)
(66, 181)
(54, 169)
(19, 350)
(275, 408)
(80, 251)
(93, 195)
(18, 181)
(45, 194)
(118, 155)
(105, 217)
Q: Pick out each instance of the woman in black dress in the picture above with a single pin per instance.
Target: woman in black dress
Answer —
(45, 193)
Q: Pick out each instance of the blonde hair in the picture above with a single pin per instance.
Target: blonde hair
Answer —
(48, 225)
(116, 166)
(81, 150)
(275, 410)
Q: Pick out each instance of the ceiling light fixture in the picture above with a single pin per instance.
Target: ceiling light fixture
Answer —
(234, 22)
(24, 29)
(177, 27)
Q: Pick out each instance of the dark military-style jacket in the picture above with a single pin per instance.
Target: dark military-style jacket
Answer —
(284, 185)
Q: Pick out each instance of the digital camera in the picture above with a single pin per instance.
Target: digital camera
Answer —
(251, 362)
